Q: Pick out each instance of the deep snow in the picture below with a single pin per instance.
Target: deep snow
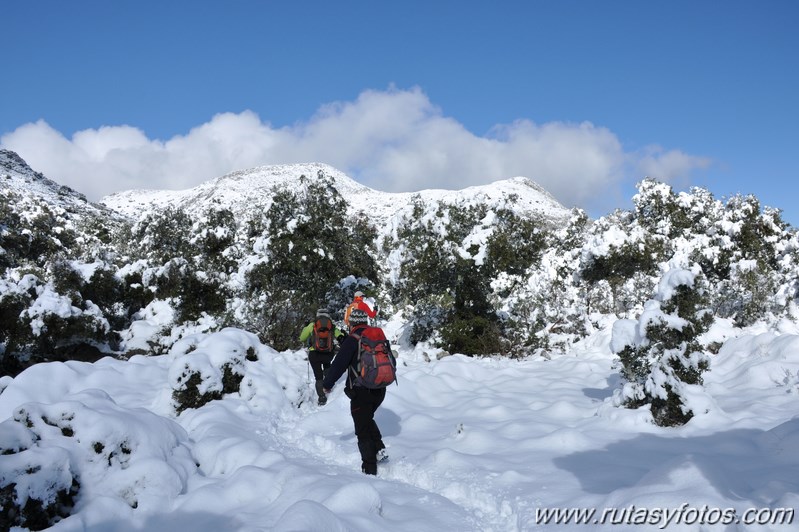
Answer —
(475, 443)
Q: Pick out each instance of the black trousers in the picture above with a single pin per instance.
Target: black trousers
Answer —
(320, 362)
(363, 405)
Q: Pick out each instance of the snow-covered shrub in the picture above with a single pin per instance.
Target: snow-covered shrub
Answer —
(207, 367)
(619, 259)
(747, 294)
(87, 445)
(112, 296)
(214, 235)
(312, 246)
(445, 257)
(31, 231)
(660, 353)
(38, 321)
(472, 328)
(516, 244)
(161, 236)
(55, 320)
(37, 488)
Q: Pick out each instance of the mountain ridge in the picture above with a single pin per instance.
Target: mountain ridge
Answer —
(253, 188)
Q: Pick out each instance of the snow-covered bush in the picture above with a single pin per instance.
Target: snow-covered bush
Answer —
(39, 321)
(308, 245)
(37, 488)
(208, 367)
(87, 445)
(660, 352)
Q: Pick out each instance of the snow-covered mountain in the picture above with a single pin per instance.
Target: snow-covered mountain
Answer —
(250, 191)
(20, 180)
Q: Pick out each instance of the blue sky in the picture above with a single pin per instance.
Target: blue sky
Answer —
(585, 97)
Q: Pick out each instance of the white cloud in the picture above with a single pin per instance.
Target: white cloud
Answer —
(671, 166)
(393, 140)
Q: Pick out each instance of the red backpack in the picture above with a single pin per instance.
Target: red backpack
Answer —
(322, 339)
(376, 366)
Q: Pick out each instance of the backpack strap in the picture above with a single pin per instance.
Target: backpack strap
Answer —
(353, 369)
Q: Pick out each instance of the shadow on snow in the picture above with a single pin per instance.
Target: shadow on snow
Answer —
(742, 464)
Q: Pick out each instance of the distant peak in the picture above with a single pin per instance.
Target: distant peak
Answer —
(12, 161)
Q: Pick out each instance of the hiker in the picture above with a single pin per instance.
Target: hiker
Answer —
(365, 398)
(320, 335)
(358, 303)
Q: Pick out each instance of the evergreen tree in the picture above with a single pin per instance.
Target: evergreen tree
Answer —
(312, 245)
(660, 353)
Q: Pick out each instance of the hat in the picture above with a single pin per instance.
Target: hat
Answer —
(322, 312)
(358, 316)
(358, 294)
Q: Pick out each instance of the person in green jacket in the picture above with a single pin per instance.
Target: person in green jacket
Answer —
(320, 337)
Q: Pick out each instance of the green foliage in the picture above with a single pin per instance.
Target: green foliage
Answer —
(473, 335)
(15, 335)
(625, 269)
(277, 319)
(313, 245)
(35, 236)
(194, 292)
(669, 357)
(163, 236)
(66, 279)
(619, 265)
(59, 331)
(670, 412)
(435, 279)
(472, 327)
(515, 245)
(428, 315)
(756, 232)
(659, 210)
(216, 238)
(428, 264)
(197, 295)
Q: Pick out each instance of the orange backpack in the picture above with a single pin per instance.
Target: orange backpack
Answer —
(376, 366)
(322, 339)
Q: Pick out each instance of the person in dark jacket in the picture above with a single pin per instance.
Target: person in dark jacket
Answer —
(363, 401)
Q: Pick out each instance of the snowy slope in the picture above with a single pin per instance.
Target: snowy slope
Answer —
(250, 191)
(18, 178)
(476, 445)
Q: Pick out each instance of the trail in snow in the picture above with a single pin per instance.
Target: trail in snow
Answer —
(462, 430)
(339, 454)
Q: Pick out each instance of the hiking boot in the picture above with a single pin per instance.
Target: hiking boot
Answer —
(322, 401)
(382, 455)
(370, 469)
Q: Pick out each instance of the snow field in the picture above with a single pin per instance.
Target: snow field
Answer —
(475, 443)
